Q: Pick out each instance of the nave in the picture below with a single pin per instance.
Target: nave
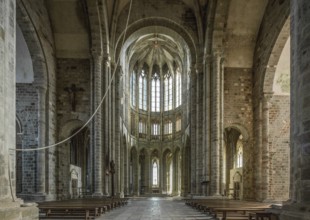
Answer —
(155, 208)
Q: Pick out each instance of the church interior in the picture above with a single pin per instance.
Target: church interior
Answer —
(154, 98)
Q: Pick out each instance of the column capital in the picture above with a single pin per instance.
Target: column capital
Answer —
(96, 53)
(266, 96)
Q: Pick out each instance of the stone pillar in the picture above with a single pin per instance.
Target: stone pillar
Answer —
(199, 131)
(116, 124)
(41, 157)
(265, 147)
(258, 150)
(206, 124)
(106, 126)
(97, 68)
(215, 125)
(9, 207)
(299, 204)
(193, 95)
(147, 173)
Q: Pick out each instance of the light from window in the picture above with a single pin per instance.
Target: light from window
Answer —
(155, 173)
(156, 129)
(178, 90)
(133, 88)
(143, 90)
(178, 125)
(155, 93)
(168, 128)
(142, 127)
(168, 91)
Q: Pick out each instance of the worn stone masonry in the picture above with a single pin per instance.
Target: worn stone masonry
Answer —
(9, 204)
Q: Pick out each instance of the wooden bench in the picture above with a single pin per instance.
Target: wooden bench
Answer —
(260, 215)
(79, 208)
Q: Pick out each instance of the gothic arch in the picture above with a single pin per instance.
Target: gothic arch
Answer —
(160, 26)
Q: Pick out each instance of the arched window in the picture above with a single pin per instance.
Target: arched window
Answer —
(178, 89)
(133, 88)
(239, 153)
(178, 125)
(168, 91)
(155, 90)
(156, 129)
(155, 174)
(143, 89)
(142, 127)
(168, 127)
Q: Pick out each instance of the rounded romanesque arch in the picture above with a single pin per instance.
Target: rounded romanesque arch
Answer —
(269, 75)
(74, 154)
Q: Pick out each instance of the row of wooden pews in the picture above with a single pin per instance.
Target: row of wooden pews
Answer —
(225, 209)
(79, 208)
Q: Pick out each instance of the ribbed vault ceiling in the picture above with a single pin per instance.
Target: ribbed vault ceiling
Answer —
(156, 48)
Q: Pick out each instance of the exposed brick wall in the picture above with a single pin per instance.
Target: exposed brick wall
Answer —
(27, 113)
(279, 116)
(34, 21)
(238, 112)
(70, 71)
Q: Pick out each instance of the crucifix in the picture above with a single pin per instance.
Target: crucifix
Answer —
(72, 94)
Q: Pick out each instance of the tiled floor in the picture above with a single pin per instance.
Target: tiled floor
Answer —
(154, 209)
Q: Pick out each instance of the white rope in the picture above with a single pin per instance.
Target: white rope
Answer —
(99, 106)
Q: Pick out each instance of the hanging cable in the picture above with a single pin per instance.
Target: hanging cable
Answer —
(99, 106)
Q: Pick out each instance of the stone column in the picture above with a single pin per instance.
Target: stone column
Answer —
(199, 131)
(206, 124)
(97, 68)
(265, 147)
(9, 208)
(116, 124)
(40, 166)
(215, 125)
(193, 102)
(299, 204)
(147, 173)
(258, 150)
(106, 126)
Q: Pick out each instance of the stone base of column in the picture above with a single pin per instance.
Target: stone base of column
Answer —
(97, 195)
(295, 212)
(36, 197)
(14, 210)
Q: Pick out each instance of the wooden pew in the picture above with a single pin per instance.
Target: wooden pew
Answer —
(79, 208)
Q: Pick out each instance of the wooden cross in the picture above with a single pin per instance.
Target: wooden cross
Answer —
(72, 94)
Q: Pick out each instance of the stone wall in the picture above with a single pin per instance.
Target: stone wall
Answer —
(238, 113)
(279, 114)
(9, 207)
(69, 119)
(27, 113)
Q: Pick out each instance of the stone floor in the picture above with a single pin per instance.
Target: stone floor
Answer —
(154, 208)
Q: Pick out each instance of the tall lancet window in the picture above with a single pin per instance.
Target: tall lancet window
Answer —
(155, 173)
(178, 89)
(167, 89)
(143, 88)
(155, 90)
(133, 88)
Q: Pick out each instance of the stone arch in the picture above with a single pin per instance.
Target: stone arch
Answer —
(34, 45)
(167, 162)
(161, 26)
(98, 26)
(235, 137)
(64, 164)
(269, 74)
(242, 129)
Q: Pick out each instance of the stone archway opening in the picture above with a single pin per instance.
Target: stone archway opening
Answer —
(233, 163)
